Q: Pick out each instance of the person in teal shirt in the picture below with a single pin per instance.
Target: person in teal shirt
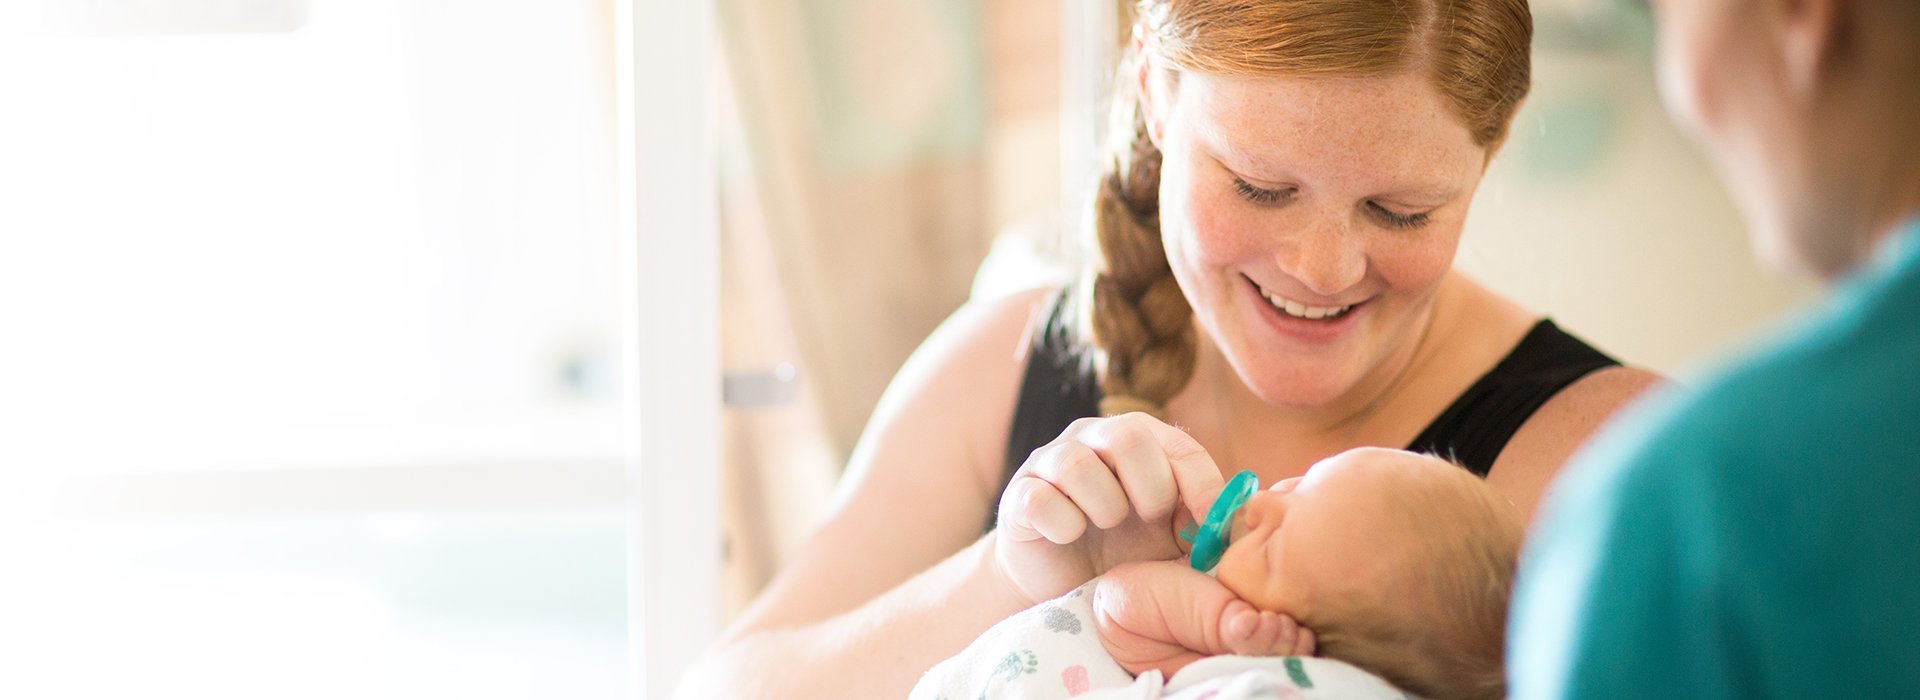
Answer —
(1755, 532)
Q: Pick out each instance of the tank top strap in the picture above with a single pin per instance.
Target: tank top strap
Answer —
(1059, 387)
(1478, 424)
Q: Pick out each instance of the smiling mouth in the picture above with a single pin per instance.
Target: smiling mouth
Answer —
(1303, 311)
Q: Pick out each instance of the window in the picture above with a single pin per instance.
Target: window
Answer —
(320, 347)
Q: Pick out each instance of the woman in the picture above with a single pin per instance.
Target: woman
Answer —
(1756, 535)
(1276, 231)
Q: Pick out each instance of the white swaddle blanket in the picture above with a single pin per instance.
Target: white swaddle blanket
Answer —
(1052, 651)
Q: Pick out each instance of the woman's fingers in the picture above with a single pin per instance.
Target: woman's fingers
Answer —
(1102, 471)
(1038, 510)
(1195, 475)
(1129, 445)
(1085, 478)
(1158, 465)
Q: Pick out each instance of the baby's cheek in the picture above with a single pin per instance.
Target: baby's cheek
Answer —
(1242, 572)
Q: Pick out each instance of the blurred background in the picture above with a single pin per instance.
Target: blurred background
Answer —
(311, 370)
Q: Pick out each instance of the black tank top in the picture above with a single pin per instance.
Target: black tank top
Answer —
(1060, 386)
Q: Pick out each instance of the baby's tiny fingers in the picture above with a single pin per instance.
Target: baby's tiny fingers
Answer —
(1306, 644)
(1241, 623)
(1286, 632)
(1247, 631)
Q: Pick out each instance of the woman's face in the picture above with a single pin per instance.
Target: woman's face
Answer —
(1310, 220)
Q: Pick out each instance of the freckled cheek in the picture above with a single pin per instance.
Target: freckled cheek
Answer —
(1208, 228)
(1414, 261)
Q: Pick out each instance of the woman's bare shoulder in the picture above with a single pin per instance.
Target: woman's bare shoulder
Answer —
(967, 374)
(916, 487)
(1553, 433)
(1550, 436)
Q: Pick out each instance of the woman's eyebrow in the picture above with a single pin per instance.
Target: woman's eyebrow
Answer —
(1267, 170)
(1435, 196)
(1239, 163)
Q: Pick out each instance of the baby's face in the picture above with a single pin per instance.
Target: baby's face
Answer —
(1336, 530)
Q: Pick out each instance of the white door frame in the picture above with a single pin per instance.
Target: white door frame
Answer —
(671, 259)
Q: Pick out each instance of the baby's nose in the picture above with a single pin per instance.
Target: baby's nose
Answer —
(1261, 509)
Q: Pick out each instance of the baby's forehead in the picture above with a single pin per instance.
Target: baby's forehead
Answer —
(1400, 486)
(1378, 464)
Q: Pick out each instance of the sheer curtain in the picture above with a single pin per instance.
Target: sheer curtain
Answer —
(873, 152)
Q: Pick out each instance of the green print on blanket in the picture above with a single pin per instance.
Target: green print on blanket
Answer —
(1297, 672)
(1017, 664)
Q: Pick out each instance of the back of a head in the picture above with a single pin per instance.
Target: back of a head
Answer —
(1474, 52)
(1438, 628)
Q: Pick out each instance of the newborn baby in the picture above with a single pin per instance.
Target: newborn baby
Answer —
(1399, 563)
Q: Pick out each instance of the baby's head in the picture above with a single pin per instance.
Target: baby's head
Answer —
(1400, 563)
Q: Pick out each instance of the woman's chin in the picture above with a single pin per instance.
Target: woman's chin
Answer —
(1301, 390)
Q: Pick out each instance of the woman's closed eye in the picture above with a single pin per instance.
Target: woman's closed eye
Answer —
(1393, 219)
(1261, 195)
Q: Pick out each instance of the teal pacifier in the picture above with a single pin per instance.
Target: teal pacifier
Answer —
(1210, 541)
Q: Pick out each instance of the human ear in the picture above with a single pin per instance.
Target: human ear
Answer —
(1150, 90)
(1811, 32)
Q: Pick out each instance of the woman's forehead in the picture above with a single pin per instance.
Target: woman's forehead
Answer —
(1395, 127)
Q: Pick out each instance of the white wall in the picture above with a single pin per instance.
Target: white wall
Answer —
(1602, 214)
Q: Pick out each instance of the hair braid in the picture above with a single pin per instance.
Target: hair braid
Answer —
(1140, 322)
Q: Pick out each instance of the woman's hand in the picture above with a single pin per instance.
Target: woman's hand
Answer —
(1107, 491)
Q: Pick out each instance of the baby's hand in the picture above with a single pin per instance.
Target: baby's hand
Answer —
(1249, 631)
(1163, 615)
(1147, 615)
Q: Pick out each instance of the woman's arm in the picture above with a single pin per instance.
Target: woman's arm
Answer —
(1544, 443)
(897, 577)
(878, 649)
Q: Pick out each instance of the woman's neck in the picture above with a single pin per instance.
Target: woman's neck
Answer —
(1869, 171)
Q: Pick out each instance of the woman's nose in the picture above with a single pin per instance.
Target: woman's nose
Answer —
(1328, 258)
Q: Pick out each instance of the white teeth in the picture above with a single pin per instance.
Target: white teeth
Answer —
(1299, 310)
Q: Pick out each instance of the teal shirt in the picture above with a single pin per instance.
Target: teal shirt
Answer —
(1755, 536)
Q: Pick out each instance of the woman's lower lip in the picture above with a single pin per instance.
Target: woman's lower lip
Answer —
(1310, 330)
